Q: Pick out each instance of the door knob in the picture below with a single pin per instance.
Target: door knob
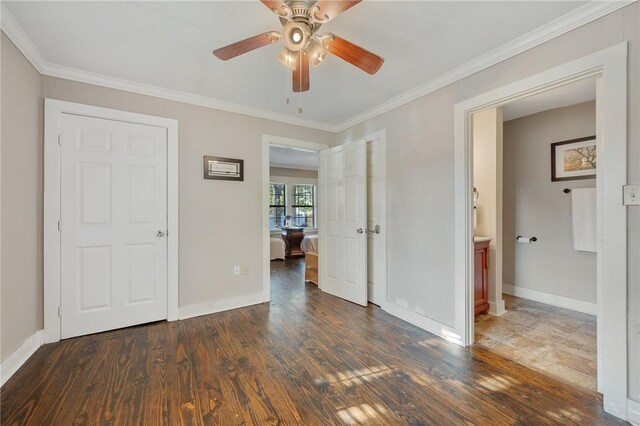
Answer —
(359, 230)
(375, 230)
(160, 234)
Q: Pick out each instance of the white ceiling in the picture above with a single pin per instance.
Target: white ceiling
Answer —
(168, 45)
(570, 94)
(292, 158)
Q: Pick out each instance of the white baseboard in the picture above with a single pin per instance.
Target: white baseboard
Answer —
(20, 356)
(633, 412)
(214, 306)
(551, 299)
(432, 326)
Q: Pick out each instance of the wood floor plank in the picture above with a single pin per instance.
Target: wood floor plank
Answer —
(306, 358)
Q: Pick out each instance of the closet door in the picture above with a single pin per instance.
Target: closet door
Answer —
(113, 224)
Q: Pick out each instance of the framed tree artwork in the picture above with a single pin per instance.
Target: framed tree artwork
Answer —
(574, 159)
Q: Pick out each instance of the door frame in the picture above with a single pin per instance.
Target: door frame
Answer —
(268, 140)
(53, 110)
(610, 67)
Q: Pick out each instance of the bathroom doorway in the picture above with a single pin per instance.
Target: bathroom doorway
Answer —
(539, 306)
(610, 68)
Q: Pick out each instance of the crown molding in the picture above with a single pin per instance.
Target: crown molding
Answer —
(16, 34)
(570, 21)
(59, 71)
(581, 16)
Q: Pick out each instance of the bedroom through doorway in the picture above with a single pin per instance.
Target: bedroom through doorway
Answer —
(293, 207)
(293, 211)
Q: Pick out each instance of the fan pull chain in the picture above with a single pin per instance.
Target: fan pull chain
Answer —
(300, 110)
(286, 80)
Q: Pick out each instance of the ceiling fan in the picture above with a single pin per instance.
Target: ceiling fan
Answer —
(303, 45)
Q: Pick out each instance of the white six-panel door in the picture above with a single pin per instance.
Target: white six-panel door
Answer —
(343, 220)
(113, 224)
(376, 216)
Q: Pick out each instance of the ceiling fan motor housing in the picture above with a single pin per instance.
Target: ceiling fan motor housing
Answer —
(296, 35)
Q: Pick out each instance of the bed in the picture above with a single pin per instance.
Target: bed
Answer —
(310, 244)
(310, 247)
(277, 248)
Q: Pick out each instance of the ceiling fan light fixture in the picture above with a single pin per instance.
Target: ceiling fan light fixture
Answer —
(296, 35)
(288, 59)
(317, 53)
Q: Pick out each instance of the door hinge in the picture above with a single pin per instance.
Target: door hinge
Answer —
(59, 137)
(59, 226)
(59, 311)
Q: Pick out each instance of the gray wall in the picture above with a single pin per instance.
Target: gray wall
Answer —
(21, 199)
(533, 205)
(420, 172)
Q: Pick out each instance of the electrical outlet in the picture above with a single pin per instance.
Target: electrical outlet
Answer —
(236, 269)
(631, 195)
(244, 269)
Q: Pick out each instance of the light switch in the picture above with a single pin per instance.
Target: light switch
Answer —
(631, 195)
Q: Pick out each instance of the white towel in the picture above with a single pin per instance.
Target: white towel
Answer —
(583, 214)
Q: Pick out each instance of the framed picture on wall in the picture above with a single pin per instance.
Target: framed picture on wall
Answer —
(574, 159)
(220, 168)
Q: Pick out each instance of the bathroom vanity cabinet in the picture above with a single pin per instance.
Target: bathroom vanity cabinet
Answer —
(481, 277)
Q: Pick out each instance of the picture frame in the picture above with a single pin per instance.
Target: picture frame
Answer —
(574, 159)
(221, 168)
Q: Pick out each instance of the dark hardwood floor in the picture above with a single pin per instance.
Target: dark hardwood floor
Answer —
(307, 358)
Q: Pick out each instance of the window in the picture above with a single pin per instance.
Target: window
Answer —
(277, 205)
(303, 206)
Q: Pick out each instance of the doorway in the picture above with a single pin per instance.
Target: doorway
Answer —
(609, 66)
(293, 212)
(372, 269)
(110, 222)
(290, 159)
(540, 231)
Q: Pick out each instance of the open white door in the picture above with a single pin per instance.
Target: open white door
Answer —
(343, 219)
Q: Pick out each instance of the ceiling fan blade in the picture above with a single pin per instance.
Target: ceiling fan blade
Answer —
(277, 6)
(326, 10)
(246, 45)
(301, 72)
(354, 54)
